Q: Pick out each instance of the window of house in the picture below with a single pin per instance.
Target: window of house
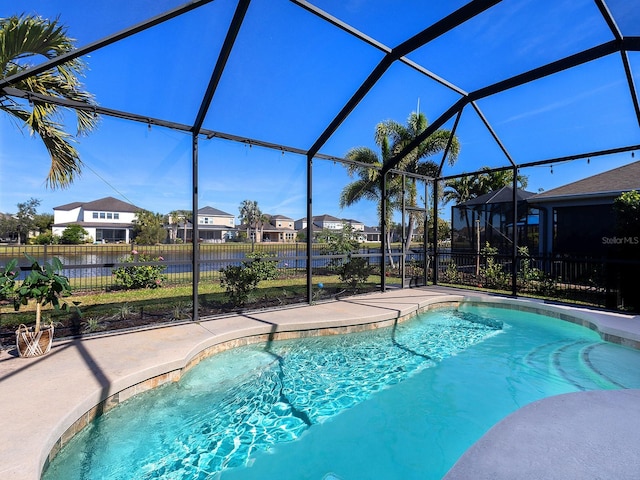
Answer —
(102, 215)
(109, 215)
(95, 214)
(116, 216)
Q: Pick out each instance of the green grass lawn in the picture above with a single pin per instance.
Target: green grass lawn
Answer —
(169, 299)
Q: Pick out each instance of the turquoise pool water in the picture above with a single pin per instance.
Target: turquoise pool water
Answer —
(395, 403)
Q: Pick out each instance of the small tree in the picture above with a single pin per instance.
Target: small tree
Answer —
(43, 222)
(73, 235)
(46, 285)
(351, 270)
(149, 228)
(25, 219)
(340, 242)
(174, 219)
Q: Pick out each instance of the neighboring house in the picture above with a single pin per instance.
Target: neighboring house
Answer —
(329, 222)
(321, 221)
(8, 235)
(273, 228)
(372, 234)
(578, 218)
(574, 219)
(278, 229)
(214, 226)
(105, 220)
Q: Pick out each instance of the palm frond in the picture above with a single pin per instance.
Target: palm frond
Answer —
(23, 38)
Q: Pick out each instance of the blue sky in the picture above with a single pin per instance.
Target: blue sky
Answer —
(288, 76)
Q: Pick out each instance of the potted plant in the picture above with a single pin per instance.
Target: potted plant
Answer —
(46, 285)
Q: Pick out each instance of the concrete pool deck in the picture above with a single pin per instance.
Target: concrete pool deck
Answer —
(45, 401)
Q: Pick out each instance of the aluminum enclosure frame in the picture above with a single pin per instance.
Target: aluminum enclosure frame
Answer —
(619, 45)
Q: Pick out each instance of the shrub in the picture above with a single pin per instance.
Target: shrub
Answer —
(73, 235)
(451, 274)
(527, 273)
(492, 273)
(46, 239)
(265, 269)
(140, 276)
(240, 280)
(354, 272)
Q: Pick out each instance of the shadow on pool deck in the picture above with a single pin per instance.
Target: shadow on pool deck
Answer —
(44, 400)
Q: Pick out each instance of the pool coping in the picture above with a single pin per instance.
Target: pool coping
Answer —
(47, 400)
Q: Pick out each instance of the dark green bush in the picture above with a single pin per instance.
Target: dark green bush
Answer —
(354, 272)
(240, 280)
(140, 276)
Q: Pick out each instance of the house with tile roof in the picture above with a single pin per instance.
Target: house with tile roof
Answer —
(214, 226)
(106, 220)
(578, 218)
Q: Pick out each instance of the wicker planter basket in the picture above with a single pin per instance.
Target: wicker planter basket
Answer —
(31, 344)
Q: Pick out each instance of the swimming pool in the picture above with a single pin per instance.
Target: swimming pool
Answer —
(402, 402)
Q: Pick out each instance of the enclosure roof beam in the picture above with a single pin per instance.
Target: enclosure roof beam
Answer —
(374, 43)
(549, 161)
(209, 134)
(127, 32)
(566, 63)
(442, 26)
(611, 22)
(585, 56)
(449, 142)
(632, 86)
(493, 133)
(225, 52)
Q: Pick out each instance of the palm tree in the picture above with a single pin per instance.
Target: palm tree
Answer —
(418, 161)
(174, 218)
(251, 216)
(462, 189)
(367, 186)
(23, 38)
(392, 137)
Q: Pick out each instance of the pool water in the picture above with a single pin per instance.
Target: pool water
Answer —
(395, 403)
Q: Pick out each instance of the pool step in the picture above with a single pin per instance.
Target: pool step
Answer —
(623, 372)
(574, 362)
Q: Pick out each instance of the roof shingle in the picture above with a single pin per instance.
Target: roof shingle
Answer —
(613, 182)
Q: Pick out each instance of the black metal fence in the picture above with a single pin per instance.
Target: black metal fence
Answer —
(602, 282)
(91, 267)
